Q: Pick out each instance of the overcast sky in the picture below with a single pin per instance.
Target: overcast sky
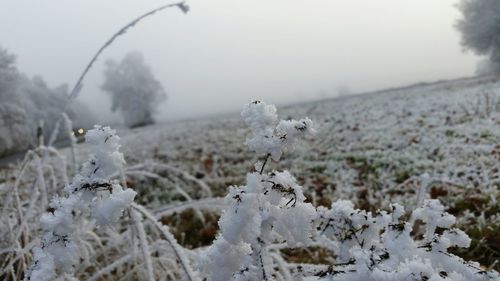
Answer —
(227, 52)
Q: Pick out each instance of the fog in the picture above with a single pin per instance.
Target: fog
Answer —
(226, 52)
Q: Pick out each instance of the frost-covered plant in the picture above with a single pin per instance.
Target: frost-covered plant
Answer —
(269, 212)
(91, 195)
(484, 105)
(270, 208)
(263, 219)
(380, 246)
(268, 138)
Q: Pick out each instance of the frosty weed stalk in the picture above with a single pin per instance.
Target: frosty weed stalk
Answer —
(79, 83)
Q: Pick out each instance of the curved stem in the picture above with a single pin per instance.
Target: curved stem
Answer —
(169, 238)
(79, 84)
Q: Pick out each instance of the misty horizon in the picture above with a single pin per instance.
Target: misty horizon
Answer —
(223, 54)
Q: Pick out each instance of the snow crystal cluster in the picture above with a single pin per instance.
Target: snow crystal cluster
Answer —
(269, 138)
(269, 208)
(381, 246)
(91, 194)
(269, 212)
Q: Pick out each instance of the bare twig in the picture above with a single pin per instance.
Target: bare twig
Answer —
(79, 83)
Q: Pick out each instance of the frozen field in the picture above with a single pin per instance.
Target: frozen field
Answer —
(373, 149)
(439, 141)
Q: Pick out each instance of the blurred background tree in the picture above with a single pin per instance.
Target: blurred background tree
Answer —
(26, 102)
(480, 30)
(134, 90)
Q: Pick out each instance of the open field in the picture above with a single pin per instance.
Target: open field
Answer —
(439, 141)
(372, 149)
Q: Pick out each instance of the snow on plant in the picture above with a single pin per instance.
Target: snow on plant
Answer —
(434, 216)
(269, 208)
(269, 138)
(92, 193)
(270, 212)
(381, 246)
(266, 215)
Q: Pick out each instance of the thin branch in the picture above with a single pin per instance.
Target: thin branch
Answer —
(79, 84)
(137, 219)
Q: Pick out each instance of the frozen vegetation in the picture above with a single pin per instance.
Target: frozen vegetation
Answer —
(396, 185)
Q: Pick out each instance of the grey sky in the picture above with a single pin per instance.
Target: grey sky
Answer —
(226, 52)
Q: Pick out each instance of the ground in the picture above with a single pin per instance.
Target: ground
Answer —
(439, 140)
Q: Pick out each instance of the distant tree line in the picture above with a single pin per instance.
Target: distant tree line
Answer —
(26, 102)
